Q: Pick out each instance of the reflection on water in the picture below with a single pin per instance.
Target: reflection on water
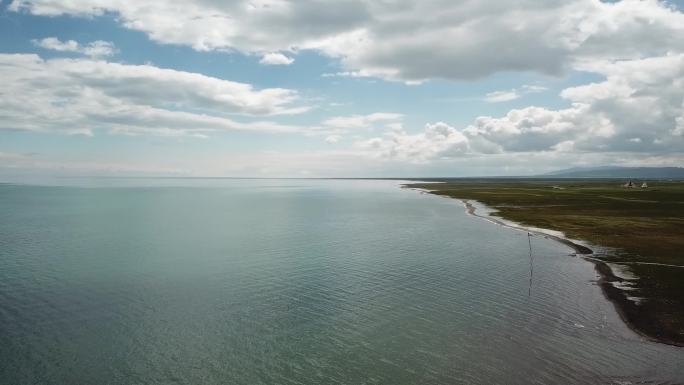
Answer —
(295, 282)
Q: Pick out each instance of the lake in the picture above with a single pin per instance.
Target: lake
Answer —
(221, 281)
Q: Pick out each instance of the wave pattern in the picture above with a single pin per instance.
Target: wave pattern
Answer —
(253, 282)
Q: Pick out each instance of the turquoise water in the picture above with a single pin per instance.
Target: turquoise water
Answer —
(294, 282)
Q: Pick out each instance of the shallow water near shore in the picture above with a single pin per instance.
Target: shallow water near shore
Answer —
(295, 282)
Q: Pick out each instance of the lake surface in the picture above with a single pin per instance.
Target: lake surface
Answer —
(295, 282)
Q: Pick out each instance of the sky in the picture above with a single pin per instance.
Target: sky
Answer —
(348, 88)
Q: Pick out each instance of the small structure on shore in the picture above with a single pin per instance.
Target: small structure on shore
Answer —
(629, 184)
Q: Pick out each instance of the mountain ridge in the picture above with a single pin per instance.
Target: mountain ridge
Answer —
(619, 172)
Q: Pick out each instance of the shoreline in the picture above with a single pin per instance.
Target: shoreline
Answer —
(626, 308)
(579, 249)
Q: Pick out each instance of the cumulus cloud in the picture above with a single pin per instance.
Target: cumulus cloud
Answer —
(275, 58)
(636, 109)
(537, 129)
(641, 99)
(436, 141)
(403, 39)
(80, 95)
(95, 49)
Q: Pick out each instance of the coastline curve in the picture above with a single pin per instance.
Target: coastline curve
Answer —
(608, 281)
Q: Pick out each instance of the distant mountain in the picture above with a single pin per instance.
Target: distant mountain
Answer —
(619, 172)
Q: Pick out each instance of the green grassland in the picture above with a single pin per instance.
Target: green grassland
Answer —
(638, 224)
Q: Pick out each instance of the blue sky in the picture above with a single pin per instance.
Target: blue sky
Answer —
(440, 89)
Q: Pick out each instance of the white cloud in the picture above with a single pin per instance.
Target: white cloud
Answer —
(275, 58)
(506, 96)
(470, 39)
(641, 98)
(501, 96)
(93, 49)
(436, 141)
(537, 129)
(636, 109)
(54, 43)
(404, 39)
(99, 48)
(635, 113)
(79, 95)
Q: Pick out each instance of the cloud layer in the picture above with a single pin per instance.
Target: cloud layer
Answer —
(81, 95)
(404, 39)
(638, 108)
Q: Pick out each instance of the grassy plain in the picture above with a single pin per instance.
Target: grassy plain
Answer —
(643, 227)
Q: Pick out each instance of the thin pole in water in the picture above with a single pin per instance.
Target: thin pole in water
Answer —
(529, 242)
